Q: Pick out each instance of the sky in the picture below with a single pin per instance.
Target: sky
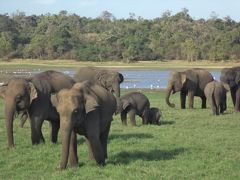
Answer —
(148, 9)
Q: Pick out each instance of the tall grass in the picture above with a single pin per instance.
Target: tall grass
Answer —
(190, 144)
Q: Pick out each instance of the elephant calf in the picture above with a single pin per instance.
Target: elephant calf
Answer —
(216, 96)
(86, 109)
(133, 103)
(154, 116)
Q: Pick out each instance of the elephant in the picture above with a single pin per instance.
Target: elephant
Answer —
(154, 116)
(190, 83)
(133, 103)
(216, 96)
(86, 109)
(231, 78)
(108, 79)
(32, 95)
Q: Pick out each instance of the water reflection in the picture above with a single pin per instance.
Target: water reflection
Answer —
(150, 79)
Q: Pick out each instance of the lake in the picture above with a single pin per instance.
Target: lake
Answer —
(148, 79)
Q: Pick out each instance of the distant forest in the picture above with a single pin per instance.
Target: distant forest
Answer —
(70, 36)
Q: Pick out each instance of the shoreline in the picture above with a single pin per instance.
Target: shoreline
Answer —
(163, 65)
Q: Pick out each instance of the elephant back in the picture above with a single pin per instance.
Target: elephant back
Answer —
(201, 76)
(52, 81)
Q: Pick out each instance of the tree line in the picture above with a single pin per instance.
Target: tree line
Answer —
(70, 36)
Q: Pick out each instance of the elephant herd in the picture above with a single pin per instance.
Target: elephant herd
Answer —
(85, 104)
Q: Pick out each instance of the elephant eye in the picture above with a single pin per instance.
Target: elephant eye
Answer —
(75, 111)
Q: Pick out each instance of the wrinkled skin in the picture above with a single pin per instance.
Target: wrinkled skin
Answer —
(134, 103)
(190, 83)
(231, 77)
(86, 109)
(154, 116)
(110, 80)
(32, 95)
(216, 96)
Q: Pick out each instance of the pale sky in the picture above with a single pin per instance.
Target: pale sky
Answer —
(121, 8)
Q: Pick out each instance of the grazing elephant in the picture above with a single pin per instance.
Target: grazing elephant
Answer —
(110, 80)
(190, 82)
(86, 109)
(33, 95)
(154, 116)
(231, 77)
(133, 103)
(216, 96)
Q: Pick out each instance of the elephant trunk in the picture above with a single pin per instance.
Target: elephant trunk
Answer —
(168, 92)
(10, 108)
(66, 135)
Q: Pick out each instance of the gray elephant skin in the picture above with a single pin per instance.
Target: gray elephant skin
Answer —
(231, 77)
(134, 103)
(32, 95)
(108, 79)
(154, 116)
(216, 96)
(86, 109)
(190, 83)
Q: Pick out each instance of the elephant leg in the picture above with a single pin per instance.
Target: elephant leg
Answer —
(145, 116)
(204, 102)
(124, 118)
(233, 95)
(96, 148)
(36, 130)
(54, 129)
(132, 115)
(190, 99)
(104, 139)
(222, 108)
(90, 153)
(93, 136)
(213, 106)
(73, 158)
(237, 103)
(183, 99)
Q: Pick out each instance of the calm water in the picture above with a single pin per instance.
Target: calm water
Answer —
(151, 79)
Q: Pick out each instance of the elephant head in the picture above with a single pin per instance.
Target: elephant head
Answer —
(154, 116)
(121, 105)
(175, 84)
(110, 80)
(18, 94)
(72, 106)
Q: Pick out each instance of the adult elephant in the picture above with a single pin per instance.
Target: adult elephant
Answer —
(86, 109)
(231, 77)
(190, 83)
(108, 79)
(32, 95)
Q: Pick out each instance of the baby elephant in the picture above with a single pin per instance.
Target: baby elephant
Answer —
(216, 96)
(154, 116)
(86, 109)
(133, 103)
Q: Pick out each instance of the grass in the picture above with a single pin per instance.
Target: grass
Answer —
(173, 64)
(191, 144)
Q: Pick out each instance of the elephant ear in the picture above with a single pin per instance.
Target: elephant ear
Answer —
(183, 78)
(90, 103)
(237, 78)
(125, 104)
(2, 91)
(33, 92)
(102, 78)
(54, 100)
(121, 78)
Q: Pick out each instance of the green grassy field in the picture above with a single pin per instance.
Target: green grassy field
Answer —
(190, 144)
